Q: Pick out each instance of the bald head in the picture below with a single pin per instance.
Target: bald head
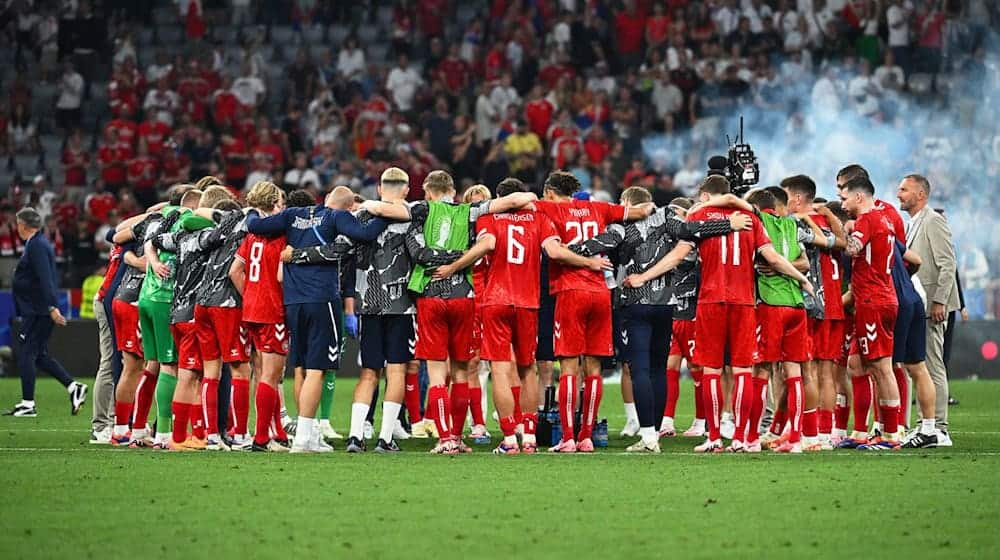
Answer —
(340, 198)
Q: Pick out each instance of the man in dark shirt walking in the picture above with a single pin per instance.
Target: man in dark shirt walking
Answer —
(36, 304)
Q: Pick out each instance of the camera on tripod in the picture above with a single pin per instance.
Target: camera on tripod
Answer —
(740, 168)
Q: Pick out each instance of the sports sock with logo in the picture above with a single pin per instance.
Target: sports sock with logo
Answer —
(593, 389)
(757, 410)
(567, 405)
(412, 397)
(673, 392)
(699, 400)
(181, 413)
(165, 386)
(862, 400)
(210, 404)
(143, 399)
(459, 406)
(326, 397)
(711, 385)
(904, 394)
(795, 404)
(438, 401)
(476, 405)
(742, 402)
(265, 401)
(516, 391)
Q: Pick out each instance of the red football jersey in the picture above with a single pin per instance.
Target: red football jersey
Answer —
(829, 266)
(577, 221)
(516, 262)
(262, 301)
(871, 268)
(895, 220)
(727, 271)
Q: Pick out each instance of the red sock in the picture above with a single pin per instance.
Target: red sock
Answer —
(825, 421)
(742, 403)
(711, 386)
(841, 412)
(241, 403)
(862, 393)
(517, 402)
(197, 421)
(673, 391)
(264, 402)
(123, 413)
(530, 421)
(508, 425)
(809, 423)
(699, 406)
(412, 397)
(795, 404)
(182, 412)
(210, 404)
(437, 400)
(890, 415)
(143, 399)
(567, 405)
(279, 430)
(778, 423)
(593, 389)
(476, 405)
(904, 394)
(757, 410)
(459, 406)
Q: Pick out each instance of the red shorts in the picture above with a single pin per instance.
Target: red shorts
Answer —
(505, 326)
(827, 338)
(720, 324)
(271, 338)
(847, 341)
(128, 337)
(477, 329)
(873, 328)
(188, 350)
(784, 336)
(221, 334)
(682, 340)
(444, 329)
(582, 325)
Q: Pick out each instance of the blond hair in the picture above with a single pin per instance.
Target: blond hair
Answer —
(264, 195)
(476, 190)
(633, 196)
(214, 194)
(439, 183)
(191, 198)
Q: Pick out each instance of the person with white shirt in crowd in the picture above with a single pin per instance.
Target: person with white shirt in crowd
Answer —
(160, 68)
(602, 80)
(301, 175)
(687, 179)
(899, 17)
(351, 60)
(756, 11)
(826, 92)
(402, 84)
(164, 102)
(889, 76)
(504, 95)
(864, 91)
(487, 116)
(727, 17)
(248, 88)
(70, 97)
(667, 97)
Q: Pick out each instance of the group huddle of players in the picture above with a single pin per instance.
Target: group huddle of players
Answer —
(752, 292)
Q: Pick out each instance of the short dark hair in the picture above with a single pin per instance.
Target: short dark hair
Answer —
(227, 205)
(562, 182)
(763, 199)
(715, 184)
(29, 217)
(779, 194)
(176, 193)
(920, 180)
(510, 185)
(860, 184)
(838, 210)
(300, 198)
(851, 171)
(801, 184)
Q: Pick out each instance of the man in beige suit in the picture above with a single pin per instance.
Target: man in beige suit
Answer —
(929, 236)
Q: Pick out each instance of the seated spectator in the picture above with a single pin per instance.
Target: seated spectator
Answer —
(351, 60)
(22, 132)
(249, 89)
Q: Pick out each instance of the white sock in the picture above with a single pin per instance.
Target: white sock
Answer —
(510, 440)
(699, 423)
(390, 415)
(648, 435)
(359, 411)
(631, 415)
(304, 431)
(667, 423)
(839, 433)
(727, 417)
(29, 404)
(528, 438)
(324, 423)
(927, 426)
(71, 386)
(162, 437)
(120, 430)
(877, 426)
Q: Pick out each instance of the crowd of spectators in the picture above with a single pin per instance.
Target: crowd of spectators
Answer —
(314, 93)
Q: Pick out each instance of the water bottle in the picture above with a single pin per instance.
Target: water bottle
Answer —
(600, 437)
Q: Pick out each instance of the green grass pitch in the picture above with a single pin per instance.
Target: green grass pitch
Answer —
(64, 498)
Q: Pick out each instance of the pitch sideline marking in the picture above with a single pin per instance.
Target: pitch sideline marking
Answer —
(619, 454)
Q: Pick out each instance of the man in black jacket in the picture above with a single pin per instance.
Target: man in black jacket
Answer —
(36, 304)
